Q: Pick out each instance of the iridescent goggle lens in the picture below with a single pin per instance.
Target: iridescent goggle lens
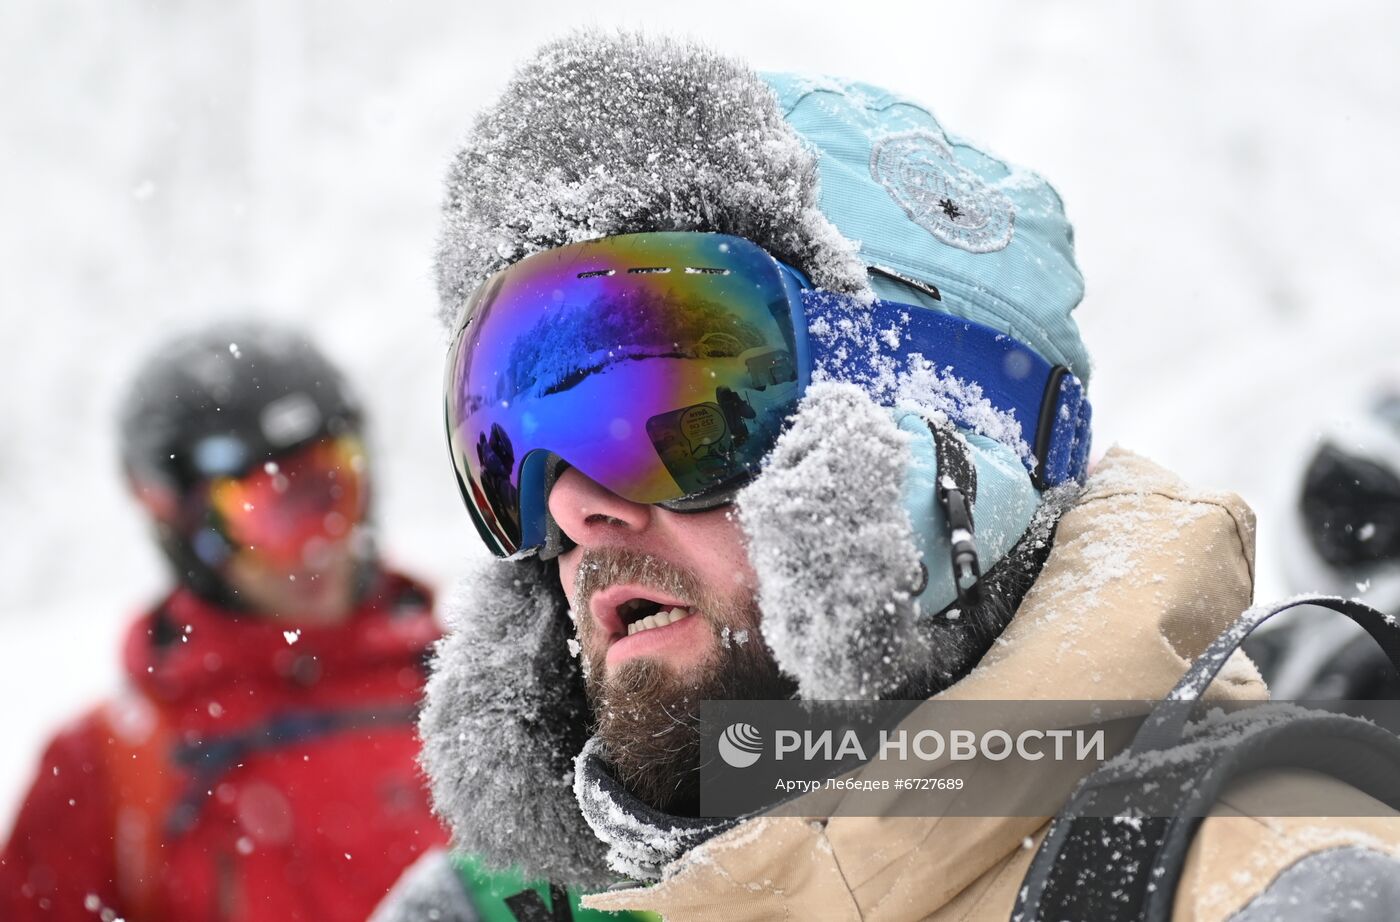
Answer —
(279, 509)
(660, 365)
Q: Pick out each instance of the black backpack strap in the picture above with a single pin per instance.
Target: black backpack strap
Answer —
(1116, 850)
(1164, 728)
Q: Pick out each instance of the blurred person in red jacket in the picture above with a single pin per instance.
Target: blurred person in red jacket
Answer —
(260, 762)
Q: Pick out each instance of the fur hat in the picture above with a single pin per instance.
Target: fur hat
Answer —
(603, 134)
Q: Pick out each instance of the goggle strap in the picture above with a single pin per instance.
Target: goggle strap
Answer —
(1047, 399)
(555, 541)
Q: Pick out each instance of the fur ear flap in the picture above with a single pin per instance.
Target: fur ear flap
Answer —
(504, 718)
(834, 550)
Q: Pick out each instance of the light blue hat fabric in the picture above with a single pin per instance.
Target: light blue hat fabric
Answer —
(992, 238)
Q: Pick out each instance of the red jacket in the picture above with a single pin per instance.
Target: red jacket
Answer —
(247, 774)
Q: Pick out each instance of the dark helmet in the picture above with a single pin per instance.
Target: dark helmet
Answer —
(221, 402)
(1348, 512)
(1350, 507)
(1343, 539)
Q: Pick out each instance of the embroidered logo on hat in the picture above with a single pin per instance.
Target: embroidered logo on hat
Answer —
(918, 170)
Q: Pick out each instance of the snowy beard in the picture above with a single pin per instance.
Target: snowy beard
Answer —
(646, 715)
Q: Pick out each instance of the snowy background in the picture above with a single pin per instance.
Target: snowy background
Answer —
(1230, 169)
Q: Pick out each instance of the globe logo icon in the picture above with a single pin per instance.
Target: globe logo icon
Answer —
(740, 745)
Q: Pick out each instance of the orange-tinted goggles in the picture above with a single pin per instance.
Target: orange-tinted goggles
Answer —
(317, 493)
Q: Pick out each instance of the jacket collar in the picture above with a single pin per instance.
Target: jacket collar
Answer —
(641, 840)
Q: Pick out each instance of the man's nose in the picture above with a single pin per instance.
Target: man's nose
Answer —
(590, 514)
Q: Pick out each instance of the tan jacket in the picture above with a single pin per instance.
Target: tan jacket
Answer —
(1145, 572)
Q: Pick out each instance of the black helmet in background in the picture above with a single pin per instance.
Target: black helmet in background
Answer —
(1349, 505)
(242, 441)
(1343, 538)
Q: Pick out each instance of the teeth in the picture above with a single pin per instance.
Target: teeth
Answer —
(660, 619)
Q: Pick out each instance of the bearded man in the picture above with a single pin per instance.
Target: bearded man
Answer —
(768, 387)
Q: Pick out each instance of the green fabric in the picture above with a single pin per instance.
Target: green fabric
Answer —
(489, 891)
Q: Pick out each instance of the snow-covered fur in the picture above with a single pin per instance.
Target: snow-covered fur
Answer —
(834, 550)
(606, 133)
(504, 718)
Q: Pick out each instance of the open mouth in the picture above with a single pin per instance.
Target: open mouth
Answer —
(623, 611)
(642, 614)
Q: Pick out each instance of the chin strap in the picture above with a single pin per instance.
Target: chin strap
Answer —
(1047, 400)
(957, 492)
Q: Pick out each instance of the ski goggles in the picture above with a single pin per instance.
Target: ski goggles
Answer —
(277, 511)
(664, 366)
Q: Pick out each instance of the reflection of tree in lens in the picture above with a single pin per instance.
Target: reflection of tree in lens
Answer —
(497, 458)
(568, 344)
